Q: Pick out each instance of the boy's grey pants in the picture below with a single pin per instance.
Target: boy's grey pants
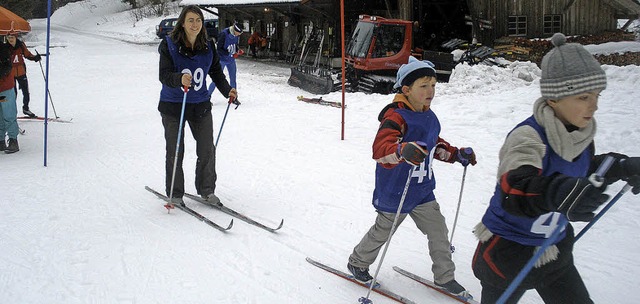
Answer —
(430, 222)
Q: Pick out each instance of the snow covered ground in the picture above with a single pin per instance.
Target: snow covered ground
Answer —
(84, 230)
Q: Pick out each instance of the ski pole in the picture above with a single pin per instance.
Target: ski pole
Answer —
(232, 100)
(48, 92)
(605, 209)
(175, 159)
(365, 300)
(597, 180)
(455, 221)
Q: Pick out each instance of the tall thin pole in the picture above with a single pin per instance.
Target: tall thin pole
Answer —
(343, 67)
(46, 83)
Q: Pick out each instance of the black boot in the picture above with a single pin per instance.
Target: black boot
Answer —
(3, 145)
(361, 274)
(13, 146)
(26, 111)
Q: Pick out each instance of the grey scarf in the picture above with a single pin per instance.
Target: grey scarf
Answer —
(566, 144)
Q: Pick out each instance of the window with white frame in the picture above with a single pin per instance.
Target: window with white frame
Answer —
(517, 26)
(552, 24)
(271, 28)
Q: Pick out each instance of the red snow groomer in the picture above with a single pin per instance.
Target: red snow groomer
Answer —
(376, 50)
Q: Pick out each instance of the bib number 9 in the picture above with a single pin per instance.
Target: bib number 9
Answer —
(197, 77)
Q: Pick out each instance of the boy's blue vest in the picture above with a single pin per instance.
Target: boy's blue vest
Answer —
(533, 231)
(421, 126)
(198, 66)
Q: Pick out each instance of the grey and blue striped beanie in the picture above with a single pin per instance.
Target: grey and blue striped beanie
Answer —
(569, 69)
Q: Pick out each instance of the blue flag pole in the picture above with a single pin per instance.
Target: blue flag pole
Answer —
(46, 82)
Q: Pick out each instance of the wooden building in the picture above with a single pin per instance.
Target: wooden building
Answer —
(543, 18)
(286, 22)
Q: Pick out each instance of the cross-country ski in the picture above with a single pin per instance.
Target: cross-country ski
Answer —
(40, 118)
(379, 288)
(428, 283)
(189, 211)
(321, 101)
(234, 213)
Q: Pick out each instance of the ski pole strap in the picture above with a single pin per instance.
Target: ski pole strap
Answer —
(233, 100)
(597, 178)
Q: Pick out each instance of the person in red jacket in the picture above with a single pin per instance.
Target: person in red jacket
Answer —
(18, 53)
(256, 43)
(8, 120)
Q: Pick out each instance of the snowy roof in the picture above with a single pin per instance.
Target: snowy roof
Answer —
(232, 2)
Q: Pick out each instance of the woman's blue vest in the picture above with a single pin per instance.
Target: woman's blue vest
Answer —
(198, 66)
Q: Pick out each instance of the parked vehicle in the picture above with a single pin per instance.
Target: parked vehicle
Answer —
(166, 26)
(212, 27)
(378, 47)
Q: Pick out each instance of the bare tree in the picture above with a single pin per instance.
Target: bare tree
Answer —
(133, 3)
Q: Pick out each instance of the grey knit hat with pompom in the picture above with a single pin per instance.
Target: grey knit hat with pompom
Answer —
(569, 69)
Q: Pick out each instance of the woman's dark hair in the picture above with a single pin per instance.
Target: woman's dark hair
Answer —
(178, 34)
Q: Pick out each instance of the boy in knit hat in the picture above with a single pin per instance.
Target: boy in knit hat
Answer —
(406, 143)
(543, 174)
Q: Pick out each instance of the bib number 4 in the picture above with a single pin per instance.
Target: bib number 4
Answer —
(546, 224)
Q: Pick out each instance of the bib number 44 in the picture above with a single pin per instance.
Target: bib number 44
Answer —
(422, 171)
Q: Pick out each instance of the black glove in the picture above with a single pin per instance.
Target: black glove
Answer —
(37, 58)
(413, 152)
(634, 182)
(623, 168)
(577, 198)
